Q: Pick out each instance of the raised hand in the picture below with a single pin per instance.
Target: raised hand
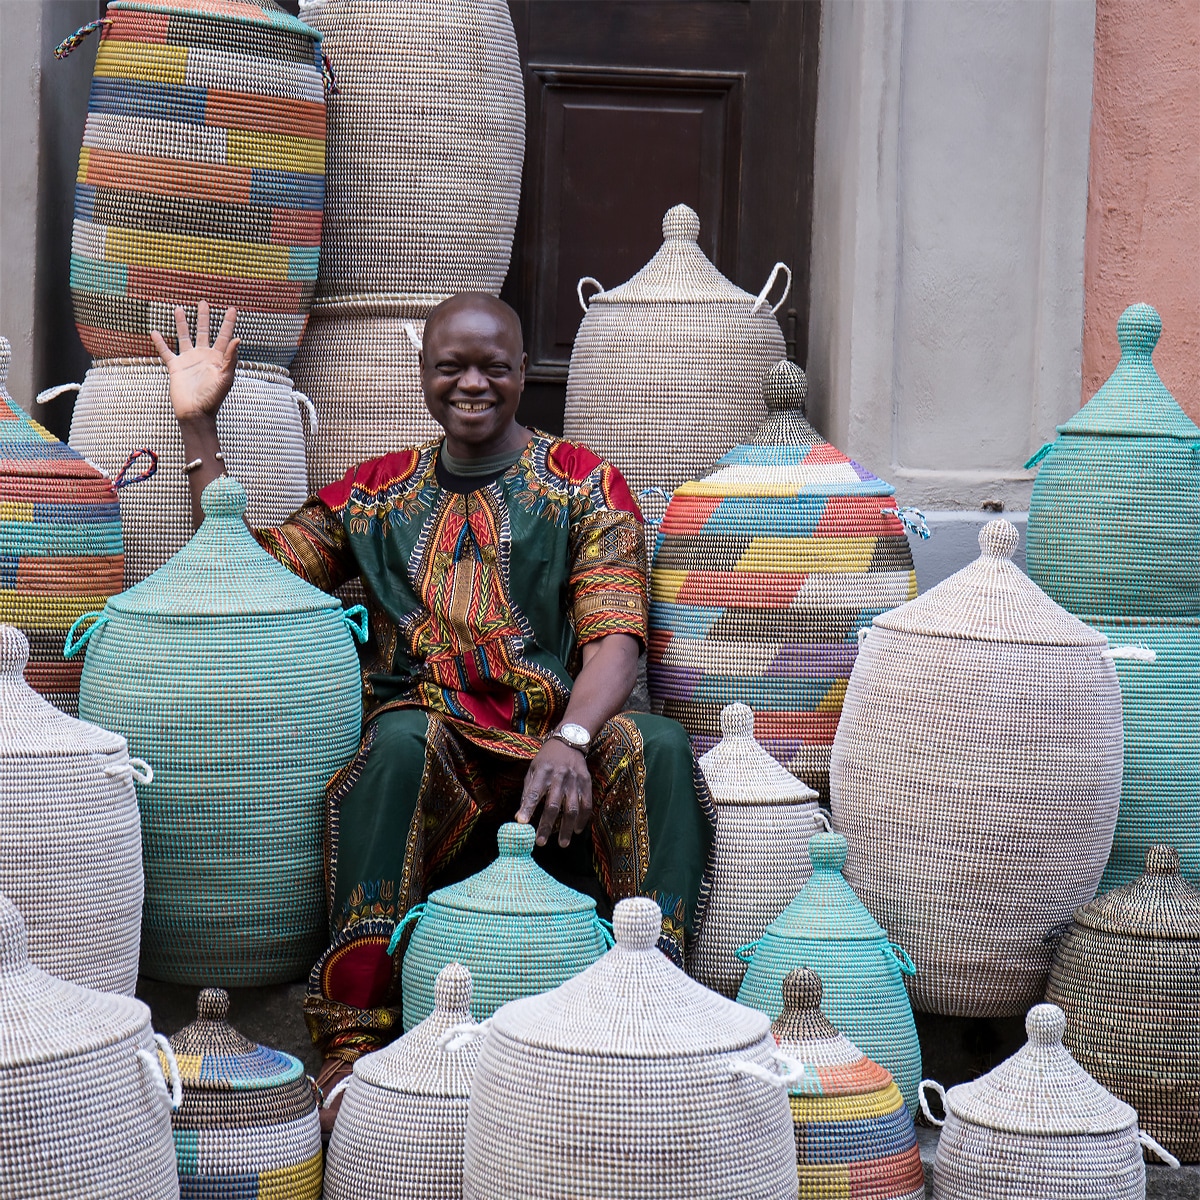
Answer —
(200, 375)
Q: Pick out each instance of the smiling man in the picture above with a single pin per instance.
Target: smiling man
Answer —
(505, 577)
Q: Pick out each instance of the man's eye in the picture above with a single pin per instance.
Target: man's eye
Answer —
(447, 368)
(498, 369)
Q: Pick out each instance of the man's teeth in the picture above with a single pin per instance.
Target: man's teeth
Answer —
(463, 406)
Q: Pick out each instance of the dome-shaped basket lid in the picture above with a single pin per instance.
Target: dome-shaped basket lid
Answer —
(415, 1063)
(213, 1056)
(992, 600)
(632, 1003)
(739, 771)
(248, 12)
(786, 456)
(1041, 1089)
(1133, 401)
(222, 571)
(1160, 904)
(32, 728)
(826, 907)
(833, 1065)
(514, 883)
(44, 1019)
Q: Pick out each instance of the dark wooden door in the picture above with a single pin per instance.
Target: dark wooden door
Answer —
(633, 106)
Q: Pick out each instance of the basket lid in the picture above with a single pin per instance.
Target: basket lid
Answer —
(213, 1056)
(247, 12)
(833, 1065)
(1133, 401)
(992, 600)
(514, 883)
(1041, 1089)
(1160, 904)
(415, 1063)
(826, 908)
(739, 771)
(32, 728)
(632, 1003)
(222, 571)
(44, 1019)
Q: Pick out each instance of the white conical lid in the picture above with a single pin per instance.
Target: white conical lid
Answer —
(632, 1003)
(739, 771)
(415, 1063)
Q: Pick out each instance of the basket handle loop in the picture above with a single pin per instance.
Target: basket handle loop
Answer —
(579, 291)
(793, 1071)
(606, 931)
(414, 338)
(1148, 1143)
(413, 915)
(913, 519)
(456, 1037)
(357, 622)
(901, 956)
(338, 1089)
(660, 495)
(138, 769)
(821, 820)
(53, 393)
(328, 78)
(153, 1065)
(746, 952)
(1040, 454)
(72, 41)
(73, 644)
(308, 409)
(761, 298)
(936, 1122)
(120, 481)
(1130, 654)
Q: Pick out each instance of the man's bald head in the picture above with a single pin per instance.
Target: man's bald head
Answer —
(470, 307)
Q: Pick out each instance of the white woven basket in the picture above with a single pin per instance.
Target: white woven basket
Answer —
(70, 835)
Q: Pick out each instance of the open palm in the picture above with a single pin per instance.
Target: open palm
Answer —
(200, 375)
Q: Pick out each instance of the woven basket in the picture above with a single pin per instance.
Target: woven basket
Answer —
(399, 1132)
(1125, 974)
(667, 369)
(248, 1117)
(426, 141)
(84, 1107)
(360, 368)
(60, 541)
(514, 927)
(854, 1137)
(630, 1080)
(976, 775)
(243, 682)
(1037, 1126)
(123, 406)
(1114, 520)
(765, 817)
(827, 929)
(202, 175)
(765, 570)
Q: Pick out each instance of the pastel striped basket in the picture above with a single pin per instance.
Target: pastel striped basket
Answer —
(202, 174)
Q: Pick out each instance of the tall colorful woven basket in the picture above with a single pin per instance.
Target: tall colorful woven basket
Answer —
(766, 569)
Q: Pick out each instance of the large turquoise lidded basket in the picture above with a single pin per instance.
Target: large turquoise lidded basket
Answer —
(514, 927)
(240, 681)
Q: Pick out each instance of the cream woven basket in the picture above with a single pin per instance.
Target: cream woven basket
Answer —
(765, 816)
(667, 369)
(399, 1132)
(123, 407)
(70, 835)
(1038, 1126)
(976, 774)
(85, 1111)
(630, 1080)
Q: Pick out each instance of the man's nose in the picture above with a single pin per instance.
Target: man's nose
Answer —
(473, 380)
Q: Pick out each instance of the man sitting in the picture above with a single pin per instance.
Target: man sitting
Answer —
(505, 577)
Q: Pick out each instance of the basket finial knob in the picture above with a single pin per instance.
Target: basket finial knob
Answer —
(785, 387)
(14, 651)
(681, 222)
(802, 990)
(212, 1004)
(1138, 329)
(5, 359)
(1045, 1024)
(999, 539)
(737, 720)
(516, 840)
(827, 851)
(1162, 859)
(452, 989)
(637, 923)
(224, 497)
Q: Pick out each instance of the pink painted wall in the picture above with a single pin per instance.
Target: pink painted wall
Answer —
(1143, 218)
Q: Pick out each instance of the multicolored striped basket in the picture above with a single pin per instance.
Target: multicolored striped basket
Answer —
(202, 174)
(248, 1127)
(827, 929)
(766, 569)
(854, 1136)
(60, 543)
(243, 684)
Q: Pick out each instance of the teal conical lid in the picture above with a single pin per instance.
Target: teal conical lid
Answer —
(826, 908)
(1133, 401)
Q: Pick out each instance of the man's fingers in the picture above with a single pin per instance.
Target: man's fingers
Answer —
(160, 345)
(226, 330)
(530, 794)
(182, 333)
(570, 813)
(231, 354)
(202, 325)
(550, 811)
(584, 816)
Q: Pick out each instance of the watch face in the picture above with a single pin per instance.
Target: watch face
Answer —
(576, 735)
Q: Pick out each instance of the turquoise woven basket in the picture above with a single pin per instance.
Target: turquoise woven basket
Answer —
(828, 929)
(514, 927)
(1114, 520)
(239, 684)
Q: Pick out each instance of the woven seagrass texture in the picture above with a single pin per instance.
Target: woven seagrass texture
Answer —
(399, 1132)
(765, 817)
(124, 406)
(976, 774)
(827, 929)
(854, 1136)
(201, 176)
(1114, 520)
(765, 570)
(666, 371)
(1125, 975)
(514, 927)
(426, 141)
(242, 681)
(60, 541)
(83, 1110)
(70, 838)
(625, 1076)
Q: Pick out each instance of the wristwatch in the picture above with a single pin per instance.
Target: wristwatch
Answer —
(574, 736)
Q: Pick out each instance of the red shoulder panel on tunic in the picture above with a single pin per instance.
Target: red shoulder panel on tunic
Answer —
(373, 476)
(575, 463)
